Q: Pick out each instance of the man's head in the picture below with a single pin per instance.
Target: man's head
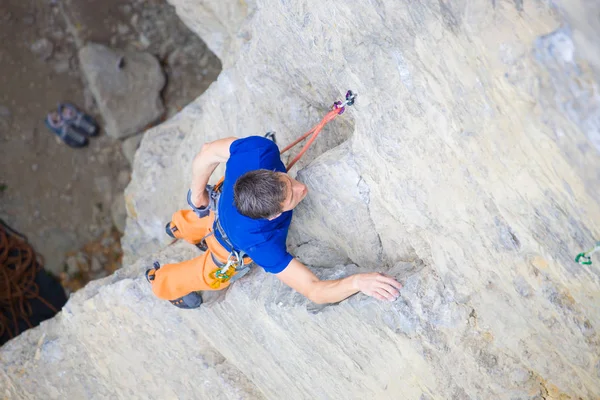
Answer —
(266, 194)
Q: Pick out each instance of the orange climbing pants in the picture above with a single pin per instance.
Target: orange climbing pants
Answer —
(173, 281)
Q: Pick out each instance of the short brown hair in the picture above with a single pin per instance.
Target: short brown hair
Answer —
(258, 194)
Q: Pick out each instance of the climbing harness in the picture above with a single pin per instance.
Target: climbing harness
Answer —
(337, 108)
(232, 268)
(585, 258)
(235, 266)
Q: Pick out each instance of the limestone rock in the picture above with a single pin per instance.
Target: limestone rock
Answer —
(119, 213)
(126, 87)
(218, 23)
(130, 146)
(42, 48)
(443, 163)
(95, 264)
(468, 169)
(75, 264)
(131, 373)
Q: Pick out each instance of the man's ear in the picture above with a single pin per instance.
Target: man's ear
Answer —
(273, 217)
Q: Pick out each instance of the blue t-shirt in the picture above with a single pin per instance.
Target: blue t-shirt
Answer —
(263, 240)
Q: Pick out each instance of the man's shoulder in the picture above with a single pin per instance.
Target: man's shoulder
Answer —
(250, 234)
(252, 144)
(251, 153)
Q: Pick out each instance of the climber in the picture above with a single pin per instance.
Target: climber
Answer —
(253, 214)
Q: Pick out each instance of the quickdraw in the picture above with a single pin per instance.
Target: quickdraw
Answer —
(585, 258)
(337, 108)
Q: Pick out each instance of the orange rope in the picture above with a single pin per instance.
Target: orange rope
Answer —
(315, 130)
(18, 269)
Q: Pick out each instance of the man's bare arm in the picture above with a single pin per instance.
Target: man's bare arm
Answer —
(303, 280)
(204, 164)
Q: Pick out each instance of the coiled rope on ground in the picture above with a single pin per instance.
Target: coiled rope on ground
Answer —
(18, 268)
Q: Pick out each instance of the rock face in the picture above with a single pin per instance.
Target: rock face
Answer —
(118, 211)
(126, 87)
(130, 146)
(468, 169)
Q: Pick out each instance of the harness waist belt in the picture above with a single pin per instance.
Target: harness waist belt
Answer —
(219, 232)
(222, 236)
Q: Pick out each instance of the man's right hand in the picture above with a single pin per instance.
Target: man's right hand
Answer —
(377, 285)
(200, 199)
(202, 211)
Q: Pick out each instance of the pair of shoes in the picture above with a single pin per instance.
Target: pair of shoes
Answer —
(189, 301)
(71, 126)
(170, 232)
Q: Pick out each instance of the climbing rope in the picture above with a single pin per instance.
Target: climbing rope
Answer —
(585, 258)
(337, 109)
(18, 269)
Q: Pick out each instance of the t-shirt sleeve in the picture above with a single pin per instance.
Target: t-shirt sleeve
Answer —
(256, 152)
(271, 255)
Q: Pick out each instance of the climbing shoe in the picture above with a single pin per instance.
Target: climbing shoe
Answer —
(170, 230)
(202, 245)
(65, 132)
(188, 302)
(152, 271)
(78, 119)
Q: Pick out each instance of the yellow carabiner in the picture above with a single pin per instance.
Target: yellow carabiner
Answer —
(221, 275)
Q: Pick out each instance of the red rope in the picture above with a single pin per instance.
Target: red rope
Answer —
(315, 130)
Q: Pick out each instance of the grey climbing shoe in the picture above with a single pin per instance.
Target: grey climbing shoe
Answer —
(79, 120)
(188, 302)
